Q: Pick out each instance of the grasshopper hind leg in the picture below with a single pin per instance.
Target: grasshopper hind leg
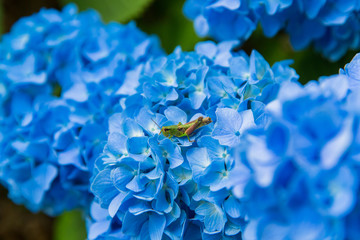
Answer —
(189, 138)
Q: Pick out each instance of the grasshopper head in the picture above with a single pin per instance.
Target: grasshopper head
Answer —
(207, 120)
(204, 121)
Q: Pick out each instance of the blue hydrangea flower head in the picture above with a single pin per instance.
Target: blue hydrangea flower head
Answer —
(62, 76)
(161, 187)
(303, 162)
(331, 26)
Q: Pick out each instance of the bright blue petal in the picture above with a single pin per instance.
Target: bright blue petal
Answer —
(138, 145)
(132, 224)
(156, 226)
(232, 207)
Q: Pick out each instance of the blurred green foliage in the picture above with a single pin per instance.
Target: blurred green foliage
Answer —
(70, 226)
(113, 10)
(166, 19)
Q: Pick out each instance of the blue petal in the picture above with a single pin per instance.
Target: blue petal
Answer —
(232, 207)
(312, 7)
(336, 85)
(144, 234)
(214, 149)
(138, 145)
(156, 226)
(206, 48)
(132, 224)
(44, 175)
(352, 71)
(201, 26)
(175, 115)
(121, 176)
(149, 121)
(230, 125)
(199, 160)
(117, 144)
(115, 123)
(277, 138)
(63, 138)
(197, 98)
(139, 207)
(131, 82)
(215, 218)
(162, 204)
(156, 92)
(259, 68)
(213, 174)
(136, 184)
(239, 67)
(97, 213)
(77, 92)
(103, 187)
(229, 4)
(336, 147)
(98, 228)
(167, 77)
(132, 129)
(72, 156)
(173, 153)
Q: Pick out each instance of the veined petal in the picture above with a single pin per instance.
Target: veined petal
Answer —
(156, 226)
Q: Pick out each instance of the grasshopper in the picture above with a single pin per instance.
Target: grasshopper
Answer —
(182, 130)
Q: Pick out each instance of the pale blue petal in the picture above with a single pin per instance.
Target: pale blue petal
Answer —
(199, 160)
(132, 129)
(175, 115)
(229, 4)
(103, 187)
(117, 144)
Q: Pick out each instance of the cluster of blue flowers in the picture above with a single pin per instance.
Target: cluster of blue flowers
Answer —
(298, 177)
(332, 26)
(148, 185)
(84, 106)
(62, 75)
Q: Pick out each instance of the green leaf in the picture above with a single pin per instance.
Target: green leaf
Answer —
(70, 226)
(113, 10)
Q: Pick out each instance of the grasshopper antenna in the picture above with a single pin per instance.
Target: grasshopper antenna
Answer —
(156, 123)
